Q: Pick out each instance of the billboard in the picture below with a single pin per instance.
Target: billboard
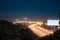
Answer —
(53, 22)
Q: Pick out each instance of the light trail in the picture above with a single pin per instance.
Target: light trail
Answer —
(35, 26)
(39, 31)
(43, 29)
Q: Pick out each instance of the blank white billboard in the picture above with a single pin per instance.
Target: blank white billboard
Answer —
(53, 22)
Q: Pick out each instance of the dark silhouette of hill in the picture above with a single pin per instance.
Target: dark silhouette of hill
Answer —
(8, 31)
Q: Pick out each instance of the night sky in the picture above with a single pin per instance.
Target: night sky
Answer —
(33, 9)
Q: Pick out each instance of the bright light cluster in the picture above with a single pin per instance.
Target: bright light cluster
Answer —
(53, 22)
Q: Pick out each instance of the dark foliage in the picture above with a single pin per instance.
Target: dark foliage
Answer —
(8, 31)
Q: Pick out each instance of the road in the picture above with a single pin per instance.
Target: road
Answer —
(40, 31)
(36, 27)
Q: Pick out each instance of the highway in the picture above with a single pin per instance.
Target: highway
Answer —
(36, 27)
(39, 31)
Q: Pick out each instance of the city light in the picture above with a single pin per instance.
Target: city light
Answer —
(53, 22)
(40, 23)
(36, 27)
